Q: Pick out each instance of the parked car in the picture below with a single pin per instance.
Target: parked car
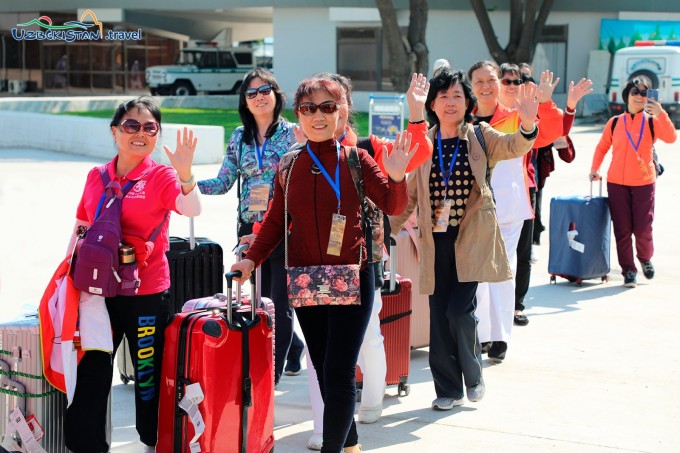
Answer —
(206, 68)
(658, 60)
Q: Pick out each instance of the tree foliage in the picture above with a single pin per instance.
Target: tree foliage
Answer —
(407, 54)
(527, 19)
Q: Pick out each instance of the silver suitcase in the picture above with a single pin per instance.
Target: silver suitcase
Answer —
(22, 384)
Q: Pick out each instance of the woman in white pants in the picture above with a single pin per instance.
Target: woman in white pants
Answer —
(496, 90)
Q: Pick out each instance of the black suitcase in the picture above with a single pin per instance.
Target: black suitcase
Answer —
(194, 273)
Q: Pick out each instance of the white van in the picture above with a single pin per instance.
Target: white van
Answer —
(661, 63)
(205, 68)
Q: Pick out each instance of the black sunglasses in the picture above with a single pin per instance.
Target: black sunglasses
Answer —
(636, 91)
(326, 107)
(516, 82)
(251, 93)
(150, 128)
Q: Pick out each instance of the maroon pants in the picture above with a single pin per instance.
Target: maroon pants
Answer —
(632, 209)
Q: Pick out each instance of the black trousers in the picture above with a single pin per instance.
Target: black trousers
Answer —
(523, 276)
(334, 335)
(538, 222)
(143, 320)
(455, 352)
(275, 287)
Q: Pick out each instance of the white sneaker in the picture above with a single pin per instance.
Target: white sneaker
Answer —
(369, 414)
(446, 404)
(534, 257)
(315, 442)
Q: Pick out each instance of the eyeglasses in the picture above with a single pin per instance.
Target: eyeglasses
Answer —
(151, 128)
(326, 107)
(251, 93)
(638, 92)
(507, 82)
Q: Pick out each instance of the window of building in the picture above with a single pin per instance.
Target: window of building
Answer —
(551, 53)
(362, 56)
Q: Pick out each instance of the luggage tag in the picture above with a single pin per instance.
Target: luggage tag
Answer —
(25, 433)
(337, 232)
(259, 197)
(441, 216)
(193, 395)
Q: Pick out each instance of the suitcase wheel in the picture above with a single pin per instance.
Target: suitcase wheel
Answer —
(358, 395)
(404, 389)
(553, 279)
(126, 380)
(605, 278)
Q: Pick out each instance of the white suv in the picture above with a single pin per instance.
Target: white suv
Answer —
(205, 68)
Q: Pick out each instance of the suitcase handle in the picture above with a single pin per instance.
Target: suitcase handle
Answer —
(229, 276)
(591, 187)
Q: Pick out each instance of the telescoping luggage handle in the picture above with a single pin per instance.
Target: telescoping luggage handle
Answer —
(591, 188)
(393, 264)
(253, 305)
(255, 278)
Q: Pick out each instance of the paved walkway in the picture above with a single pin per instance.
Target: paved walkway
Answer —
(596, 370)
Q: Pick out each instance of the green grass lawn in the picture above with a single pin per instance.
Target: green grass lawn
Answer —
(228, 118)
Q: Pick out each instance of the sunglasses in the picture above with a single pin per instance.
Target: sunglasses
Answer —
(251, 93)
(150, 128)
(516, 82)
(326, 107)
(638, 92)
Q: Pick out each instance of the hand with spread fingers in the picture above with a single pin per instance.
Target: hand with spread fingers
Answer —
(183, 157)
(527, 105)
(547, 86)
(416, 97)
(577, 91)
(395, 162)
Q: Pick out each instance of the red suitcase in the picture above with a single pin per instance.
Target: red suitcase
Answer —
(395, 324)
(229, 353)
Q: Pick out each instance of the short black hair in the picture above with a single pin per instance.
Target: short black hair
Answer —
(247, 118)
(445, 79)
(639, 80)
(142, 102)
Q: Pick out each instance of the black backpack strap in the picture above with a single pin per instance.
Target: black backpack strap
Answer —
(482, 142)
(355, 170)
(651, 124)
(616, 120)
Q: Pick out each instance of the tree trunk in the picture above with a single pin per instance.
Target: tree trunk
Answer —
(416, 35)
(401, 59)
(526, 28)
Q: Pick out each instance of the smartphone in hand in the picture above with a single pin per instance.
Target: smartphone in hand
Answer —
(653, 93)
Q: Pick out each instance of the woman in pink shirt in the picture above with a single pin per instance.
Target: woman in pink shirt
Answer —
(156, 191)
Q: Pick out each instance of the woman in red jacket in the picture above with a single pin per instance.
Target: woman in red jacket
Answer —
(321, 185)
(631, 179)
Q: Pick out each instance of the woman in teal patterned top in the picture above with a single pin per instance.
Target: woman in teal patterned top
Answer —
(253, 154)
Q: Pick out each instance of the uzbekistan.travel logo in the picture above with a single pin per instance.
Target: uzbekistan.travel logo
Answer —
(72, 31)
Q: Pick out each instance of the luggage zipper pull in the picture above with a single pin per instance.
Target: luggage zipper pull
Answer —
(115, 274)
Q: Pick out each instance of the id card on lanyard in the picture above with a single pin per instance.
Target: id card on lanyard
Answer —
(338, 221)
(442, 212)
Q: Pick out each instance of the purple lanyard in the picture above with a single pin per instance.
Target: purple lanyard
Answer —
(630, 139)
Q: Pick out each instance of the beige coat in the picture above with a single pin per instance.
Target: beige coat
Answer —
(480, 251)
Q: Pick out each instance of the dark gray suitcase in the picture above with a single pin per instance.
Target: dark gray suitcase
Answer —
(24, 386)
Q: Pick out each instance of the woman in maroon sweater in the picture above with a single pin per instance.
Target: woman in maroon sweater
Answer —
(334, 333)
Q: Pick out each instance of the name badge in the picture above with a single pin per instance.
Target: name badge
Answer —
(337, 232)
(441, 216)
(259, 197)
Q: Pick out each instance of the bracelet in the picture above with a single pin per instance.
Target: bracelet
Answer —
(187, 183)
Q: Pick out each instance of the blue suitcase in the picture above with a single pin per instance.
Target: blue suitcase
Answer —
(580, 236)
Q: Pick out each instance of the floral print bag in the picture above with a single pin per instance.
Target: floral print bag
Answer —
(320, 285)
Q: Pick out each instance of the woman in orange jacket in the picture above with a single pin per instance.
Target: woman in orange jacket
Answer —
(631, 178)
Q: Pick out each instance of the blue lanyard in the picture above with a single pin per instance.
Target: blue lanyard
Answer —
(642, 127)
(334, 184)
(446, 174)
(342, 137)
(260, 152)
